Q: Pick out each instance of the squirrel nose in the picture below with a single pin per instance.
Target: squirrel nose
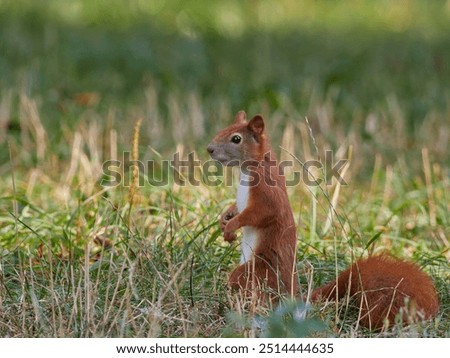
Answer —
(210, 149)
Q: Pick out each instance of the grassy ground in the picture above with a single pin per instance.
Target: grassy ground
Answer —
(81, 259)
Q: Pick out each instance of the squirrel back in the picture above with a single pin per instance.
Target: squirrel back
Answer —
(384, 287)
(262, 209)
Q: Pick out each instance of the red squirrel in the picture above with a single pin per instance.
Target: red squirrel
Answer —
(384, 287)
(262, 210)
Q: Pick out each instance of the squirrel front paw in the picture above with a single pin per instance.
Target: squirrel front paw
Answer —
(230, 228)
(229, 236)
(227, 216)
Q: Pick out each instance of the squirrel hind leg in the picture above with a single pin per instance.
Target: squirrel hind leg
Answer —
(258, 276)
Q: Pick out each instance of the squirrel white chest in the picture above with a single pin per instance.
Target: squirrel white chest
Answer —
(249, 239)
(242, 192)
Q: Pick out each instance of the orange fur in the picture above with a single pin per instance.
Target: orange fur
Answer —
(384, 287)
(267, 212)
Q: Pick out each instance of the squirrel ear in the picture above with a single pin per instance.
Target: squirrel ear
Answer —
(241, 117)
(256, 124)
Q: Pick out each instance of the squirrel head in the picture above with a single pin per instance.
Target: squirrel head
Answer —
(242, 141)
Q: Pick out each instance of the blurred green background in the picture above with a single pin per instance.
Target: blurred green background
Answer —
(364, 57)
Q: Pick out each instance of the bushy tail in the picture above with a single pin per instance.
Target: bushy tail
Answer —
(384, 287)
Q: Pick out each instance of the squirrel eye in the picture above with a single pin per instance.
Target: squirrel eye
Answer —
(236, 139)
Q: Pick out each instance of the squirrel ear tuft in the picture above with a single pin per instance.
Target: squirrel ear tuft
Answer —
(256, 124)
(240, 117)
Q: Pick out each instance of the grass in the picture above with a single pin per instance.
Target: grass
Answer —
(80, 259)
